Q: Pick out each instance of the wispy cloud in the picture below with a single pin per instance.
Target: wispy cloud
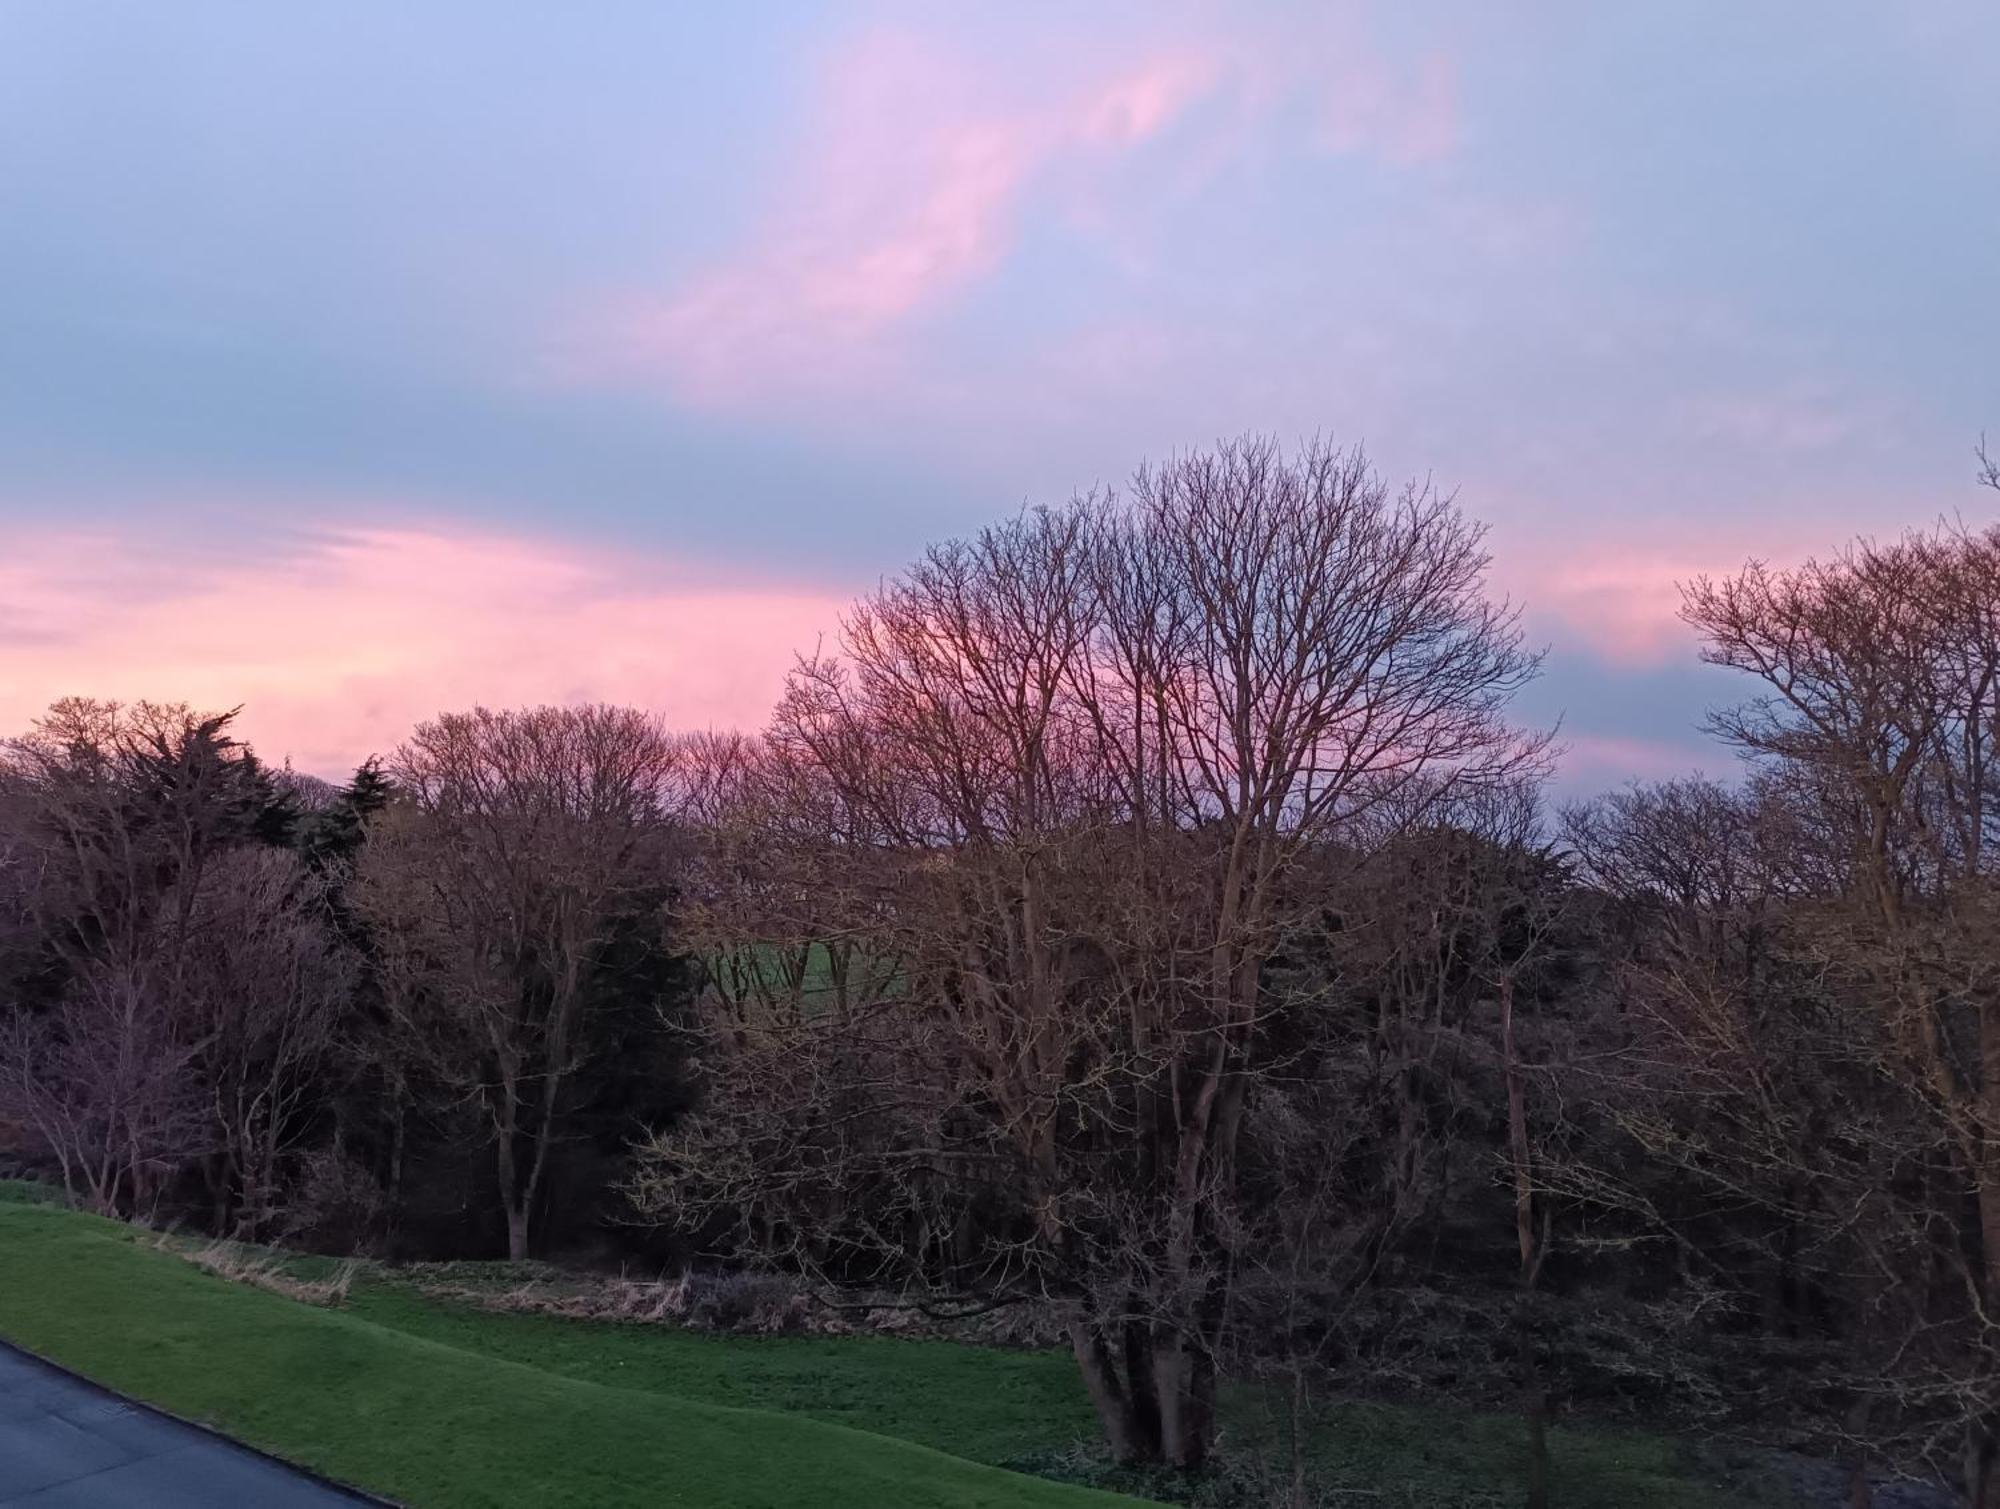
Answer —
(909, 190)
(912, 185)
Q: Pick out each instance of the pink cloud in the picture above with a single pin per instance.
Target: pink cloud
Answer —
(1612, 587)
(1623, 605)
(913, 181)
(909, 192)
(1128, 109)
(340, 642)
(1618, 597)
(820, 291)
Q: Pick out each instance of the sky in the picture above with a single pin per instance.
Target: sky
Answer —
(363, 361)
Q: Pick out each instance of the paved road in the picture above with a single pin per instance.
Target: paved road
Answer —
(66, 1445)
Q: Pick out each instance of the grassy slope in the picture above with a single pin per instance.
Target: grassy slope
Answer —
(1005, 1407)
(987, 1405)
(982, 1403)
(421, 1421)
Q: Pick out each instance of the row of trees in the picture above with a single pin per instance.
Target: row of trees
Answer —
(1148, 914)
(1815, 957)
(327, 1010)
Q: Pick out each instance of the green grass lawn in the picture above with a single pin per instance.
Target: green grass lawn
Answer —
(445, 1403)
(431, 1424)
(983, 1403)
(1012, 1407)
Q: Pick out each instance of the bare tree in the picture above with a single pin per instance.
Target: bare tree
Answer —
(1776, 1136)
(1415, 1079)
(1821, 1005)
(107, 1088)
(521, 842)
(1080, 772)
(116, 817)
(266, 983)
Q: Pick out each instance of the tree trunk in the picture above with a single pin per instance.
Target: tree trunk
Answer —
(1198, 1413)
(392, 1237)
(512, 1200)
(1107, 1395)
(1142, 1396)
(515, 1200)
(1180, 1436)
(1154, 1394)
(1535, 1401)
(1982, 1480)
(221, 1207)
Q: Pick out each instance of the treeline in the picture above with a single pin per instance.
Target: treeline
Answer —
(1149, 915)
(417, 1015)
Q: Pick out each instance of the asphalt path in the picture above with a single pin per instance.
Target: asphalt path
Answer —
(66, 1444)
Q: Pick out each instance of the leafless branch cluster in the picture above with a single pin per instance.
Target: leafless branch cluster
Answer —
(493, 891)
(991, 908)
(200, 978)
(1813, 976)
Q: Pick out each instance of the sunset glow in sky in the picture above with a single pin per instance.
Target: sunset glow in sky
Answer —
(361, 362)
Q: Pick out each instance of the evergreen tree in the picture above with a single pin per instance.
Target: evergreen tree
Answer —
(334, 835)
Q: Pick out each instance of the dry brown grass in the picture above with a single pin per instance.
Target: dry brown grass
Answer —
(727, 1303)
(261, 1270)
(739, 1303)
